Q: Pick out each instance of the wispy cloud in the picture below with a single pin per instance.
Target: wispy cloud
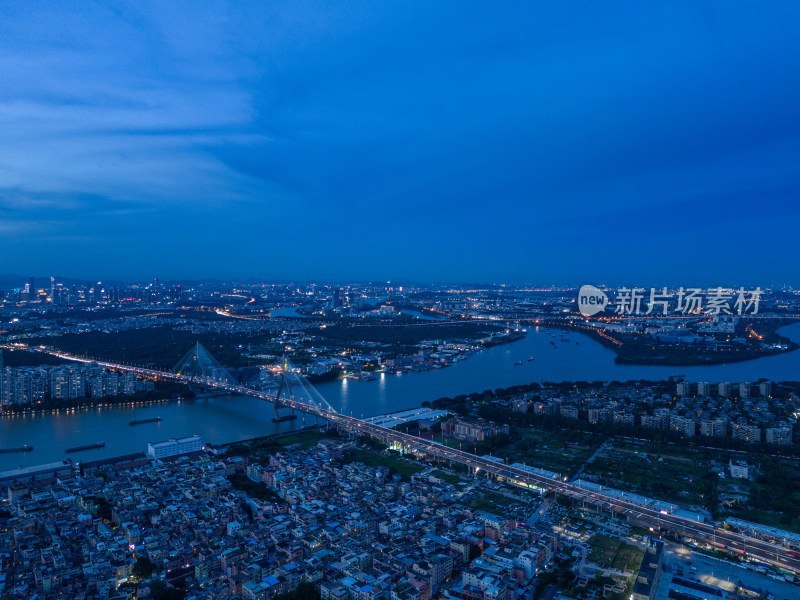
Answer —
(261, 127)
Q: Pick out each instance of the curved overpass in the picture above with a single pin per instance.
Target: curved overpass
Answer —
(702, 532)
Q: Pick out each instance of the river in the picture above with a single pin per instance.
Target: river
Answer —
(227, 418)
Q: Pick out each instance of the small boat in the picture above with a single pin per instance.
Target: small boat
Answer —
(86, 447)
(142, 421)
(24, 448)
(516, 364)
(283, 418)
(530, 359)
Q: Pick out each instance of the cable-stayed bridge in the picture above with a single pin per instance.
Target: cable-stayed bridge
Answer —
(296, 393)
(200, 366)
(198, 362)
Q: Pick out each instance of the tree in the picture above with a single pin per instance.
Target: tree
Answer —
(143, 568)
(162, 591)
(304, 591)
(104, 508)
(563, 500)
(474, 551)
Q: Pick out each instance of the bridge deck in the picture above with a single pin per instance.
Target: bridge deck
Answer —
(774, 553)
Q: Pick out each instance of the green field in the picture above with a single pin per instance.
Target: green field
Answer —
(615, 554)
(303, 439)
(685, 475)
(491, 501)
(670, 477)
(559, 451)
(771, 519)
(375, 458)
(450, 478)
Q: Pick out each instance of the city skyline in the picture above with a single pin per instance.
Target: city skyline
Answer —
(46, 285)
(399, 300)
(655, 146)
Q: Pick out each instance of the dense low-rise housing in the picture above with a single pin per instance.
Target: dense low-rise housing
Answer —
(351, 530)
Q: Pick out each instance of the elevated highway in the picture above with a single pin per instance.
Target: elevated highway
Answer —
(773, 552)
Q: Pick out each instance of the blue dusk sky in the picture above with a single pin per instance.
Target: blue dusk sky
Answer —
(653, 143)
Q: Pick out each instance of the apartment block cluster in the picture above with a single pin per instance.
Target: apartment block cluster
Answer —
(353, 531)
(33, 385)
(474, 430)
(752, 415)
(754, 422)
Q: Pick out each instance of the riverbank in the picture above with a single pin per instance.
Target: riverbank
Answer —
(265, 438)
(288, 438)
(644, 350)
(417, 363)
(224, 418)
(29, 411)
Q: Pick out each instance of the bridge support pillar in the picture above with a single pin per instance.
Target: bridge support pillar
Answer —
(278, 417)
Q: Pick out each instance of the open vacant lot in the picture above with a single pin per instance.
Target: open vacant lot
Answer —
(559, 451)
(615, 554)
(376, 458)
(663, 475)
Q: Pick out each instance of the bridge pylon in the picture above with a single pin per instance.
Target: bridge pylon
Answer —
(294, 388)
(283, 387)
(199, 363)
